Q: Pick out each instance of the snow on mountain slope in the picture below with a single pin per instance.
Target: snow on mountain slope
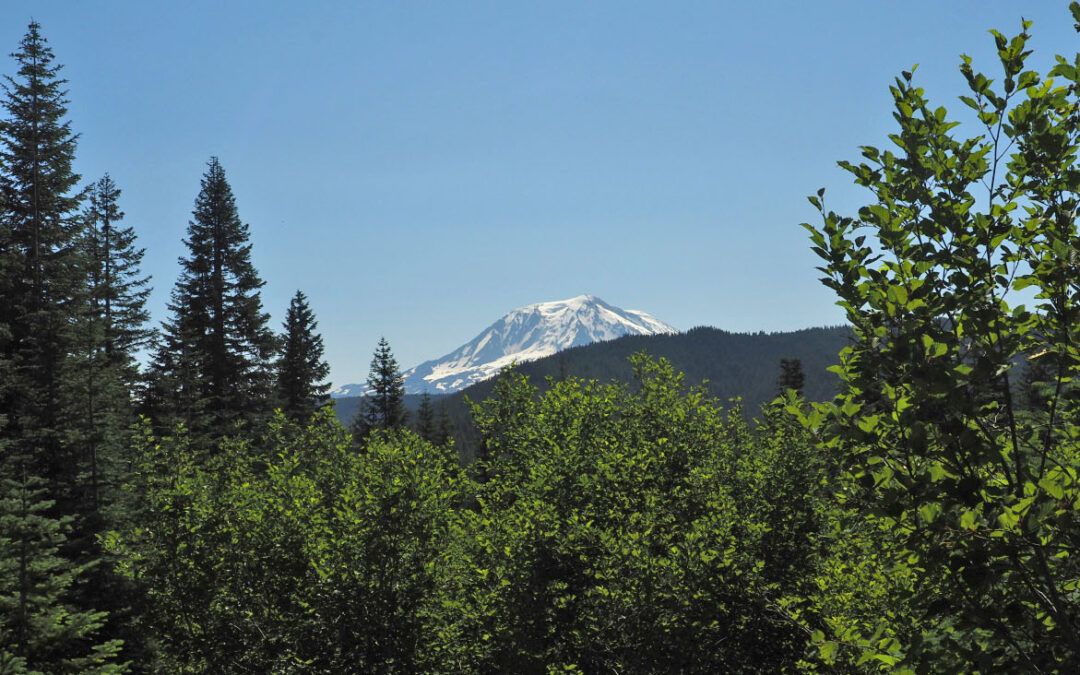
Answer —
(525, 334)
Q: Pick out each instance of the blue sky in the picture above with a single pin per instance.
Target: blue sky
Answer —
(419, 169)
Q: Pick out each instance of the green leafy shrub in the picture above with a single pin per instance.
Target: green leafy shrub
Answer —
(970, 486)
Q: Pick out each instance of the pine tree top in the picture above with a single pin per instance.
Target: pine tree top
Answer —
(36, 133)
(302, 371)
(217, 346)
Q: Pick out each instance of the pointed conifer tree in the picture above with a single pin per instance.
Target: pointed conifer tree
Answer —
(47, 505)
(41, 631)
(217, 349)
(791, 377)
(444, 427)
(383, 406)
(118, 286)
(47, 514)
(109, 332)
(302, 371)
(425, 418)
(41, 275)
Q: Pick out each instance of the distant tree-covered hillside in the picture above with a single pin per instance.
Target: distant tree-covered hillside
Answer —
(744, 365)
(730, 365)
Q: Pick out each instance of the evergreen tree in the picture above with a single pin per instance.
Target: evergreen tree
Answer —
(110, 329)
(119, 290)
(791, 377)
(563, 371)
(40, 629)
(214, 361)
(41, 275)
(425, 419)
(384, 404)
(57, 397)
(444, 427)
(156, 401)
(302, 371)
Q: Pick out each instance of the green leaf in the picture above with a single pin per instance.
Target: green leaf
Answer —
(869, 423)
(937, 472)
(828, 651)
(1052, 487)
(1008, 519)
(898, 294)
(929, 512)
(968, 520)
(850, 408)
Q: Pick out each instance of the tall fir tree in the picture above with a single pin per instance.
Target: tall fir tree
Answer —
(432, 427)
(45, 624)
(383, 407)
(41, 273)
(119, 288)
(110, 330)
(425, 418)
(214, 361)
(302, 371)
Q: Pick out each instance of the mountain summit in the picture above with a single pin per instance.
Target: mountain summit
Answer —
(525, 334)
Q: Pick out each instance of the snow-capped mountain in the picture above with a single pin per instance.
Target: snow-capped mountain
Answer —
(525, 334)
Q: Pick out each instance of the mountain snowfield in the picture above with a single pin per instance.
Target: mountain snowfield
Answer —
(525, 334)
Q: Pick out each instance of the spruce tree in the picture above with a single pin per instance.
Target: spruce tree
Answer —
(383, 406)
(214, 362)
(791, 377)
(444, 428)
(48, 506)
(119, 289)
(425, 418)
(41, 275)
(301, 370)
(41, 630)
(110, 330)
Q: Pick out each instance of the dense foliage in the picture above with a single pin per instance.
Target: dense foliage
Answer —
(613, 528)
(632, 529)
(292, 552)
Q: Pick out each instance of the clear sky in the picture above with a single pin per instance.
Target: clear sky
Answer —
(420, 168)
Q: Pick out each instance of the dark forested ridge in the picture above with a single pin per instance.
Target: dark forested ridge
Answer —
(730, 365)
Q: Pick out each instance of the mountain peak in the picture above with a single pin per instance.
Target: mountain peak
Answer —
(526, 334)
(584, 299)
